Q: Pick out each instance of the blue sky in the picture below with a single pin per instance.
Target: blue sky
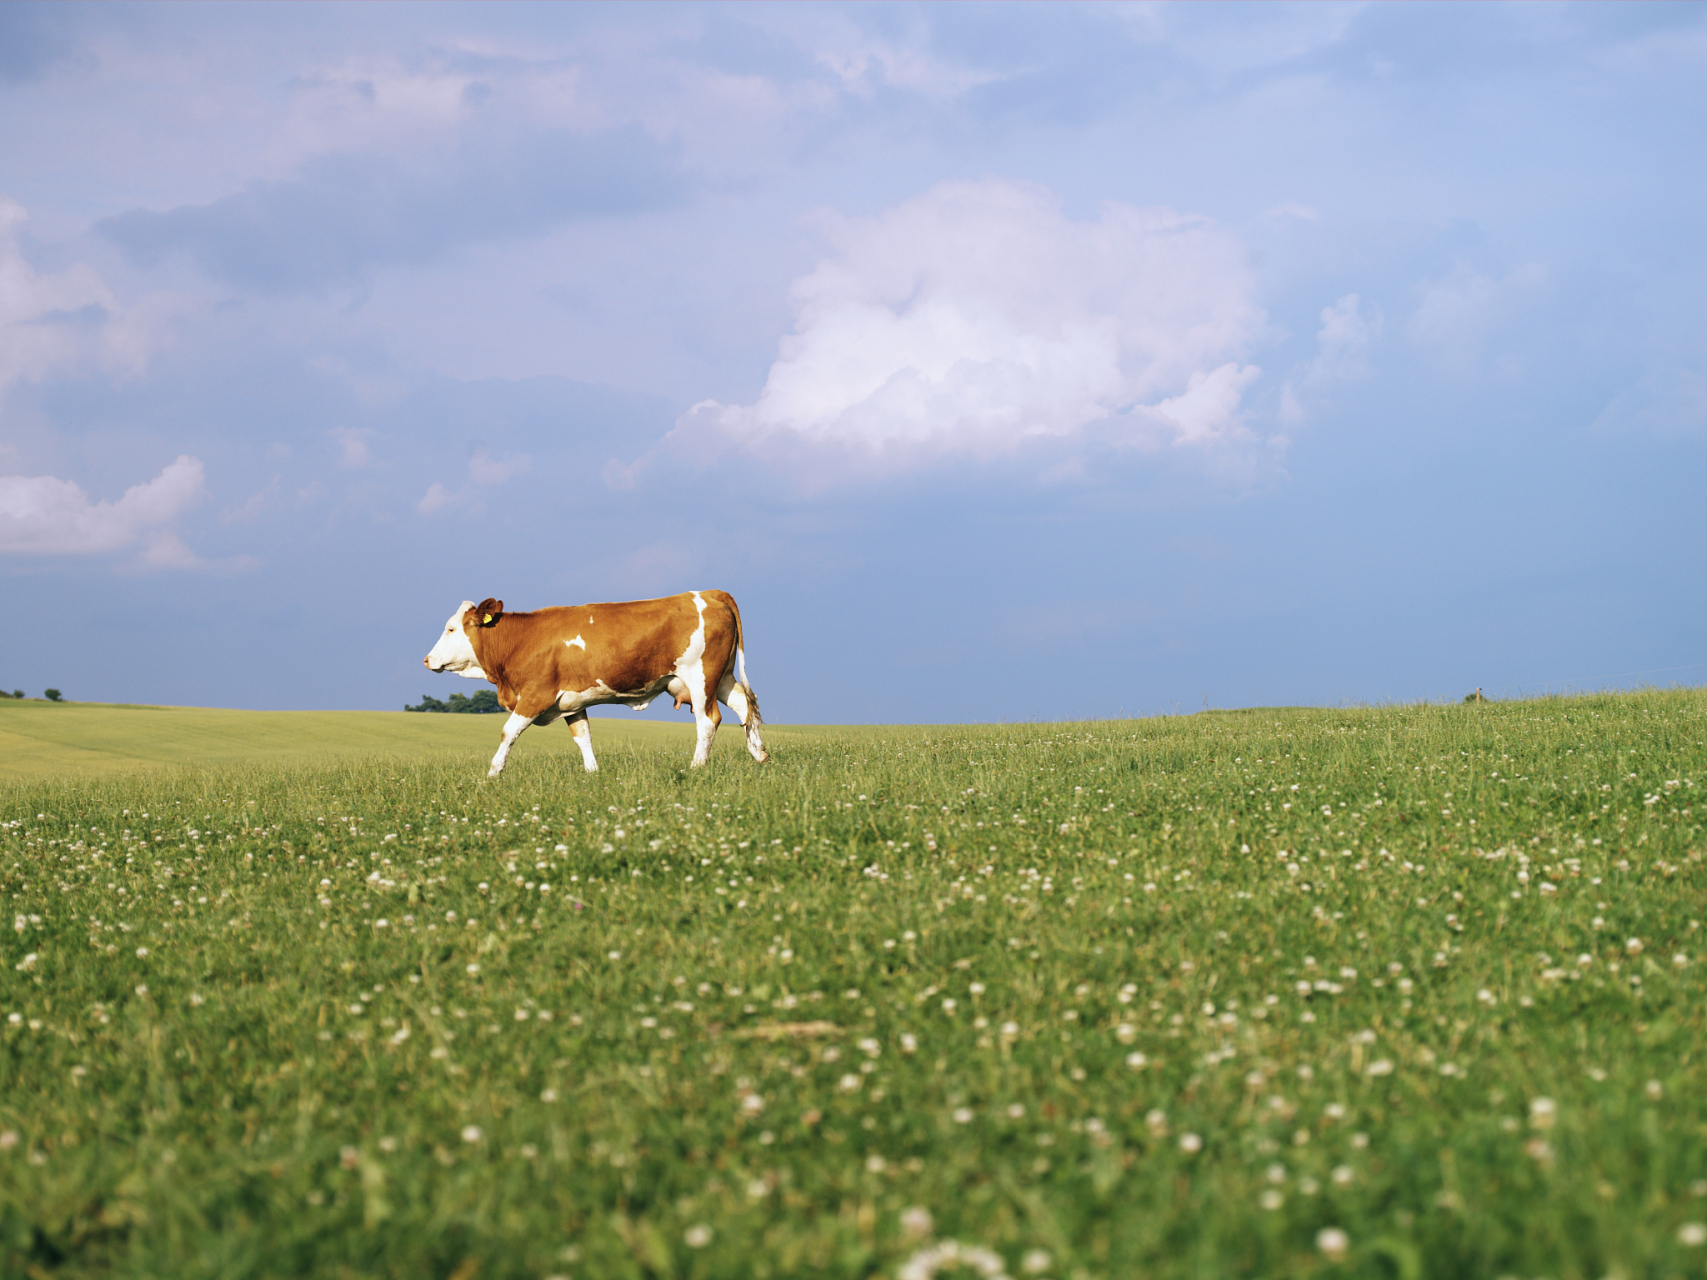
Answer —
(1006, 362)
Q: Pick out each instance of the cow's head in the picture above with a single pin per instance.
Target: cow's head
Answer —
(454, 651)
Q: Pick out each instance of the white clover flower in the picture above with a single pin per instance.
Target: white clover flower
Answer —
(962, 1115)
(1035, 1261)
(916, 1222)
(1272, 1198)
(472, 1133)
(1543, 1112)
(1333, 1242)
(697, 1236)
(1190, 1143)
(948, 1255)
(1137, 1061)
(1634, 946)
(1693, 1234)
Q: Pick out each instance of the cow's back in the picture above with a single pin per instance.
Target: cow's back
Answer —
(625, 645)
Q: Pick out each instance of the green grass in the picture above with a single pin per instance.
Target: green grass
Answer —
(47, 740)
(1163, 998)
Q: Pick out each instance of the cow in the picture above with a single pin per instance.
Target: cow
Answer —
(560, 661)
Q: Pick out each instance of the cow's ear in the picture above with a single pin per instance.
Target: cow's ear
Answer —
(488, 611)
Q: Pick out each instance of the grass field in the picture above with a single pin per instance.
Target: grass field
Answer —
(1409, 992)
(48, 740)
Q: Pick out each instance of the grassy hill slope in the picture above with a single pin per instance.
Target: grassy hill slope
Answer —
(40, 740)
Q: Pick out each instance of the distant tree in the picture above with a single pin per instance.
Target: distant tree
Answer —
(17, 693)
(52, 695)
(483, 703)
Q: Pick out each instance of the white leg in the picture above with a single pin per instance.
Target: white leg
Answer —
(706, 718)
(583, 738)
(512, 730)
(735, 698)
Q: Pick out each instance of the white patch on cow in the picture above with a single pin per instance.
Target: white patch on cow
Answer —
(690, 667)
(453, 652)
(577, 642)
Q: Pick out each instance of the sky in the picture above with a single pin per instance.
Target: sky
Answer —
(1006, 362)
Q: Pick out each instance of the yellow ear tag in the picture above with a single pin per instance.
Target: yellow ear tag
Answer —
(487, 621)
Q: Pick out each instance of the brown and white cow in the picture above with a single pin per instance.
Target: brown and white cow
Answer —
(560, 661)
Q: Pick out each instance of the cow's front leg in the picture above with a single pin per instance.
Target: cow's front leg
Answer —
(512, 730)
(583, 731)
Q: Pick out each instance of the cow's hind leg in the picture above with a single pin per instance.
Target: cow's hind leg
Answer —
(706, 718)
(583, 731)
(745, 705)
(512, 730)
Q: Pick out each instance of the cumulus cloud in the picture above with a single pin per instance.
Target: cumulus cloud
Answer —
(44, 515)
(978, 317)
(483, 469)
(54, 322)
(1342, 343)
(1347, 332)
(1460, 313)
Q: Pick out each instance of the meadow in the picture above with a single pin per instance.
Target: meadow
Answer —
(1408, 991)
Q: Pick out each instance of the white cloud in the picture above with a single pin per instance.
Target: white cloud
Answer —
(44, 515)
(353, 442)
(485, 470)
(1343, 341)
(482, 470)
(1667, 402)
(863, 62)
(978, 316)
(436, 498)
(1459, 313)
(1347, 332)
(54, 322)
